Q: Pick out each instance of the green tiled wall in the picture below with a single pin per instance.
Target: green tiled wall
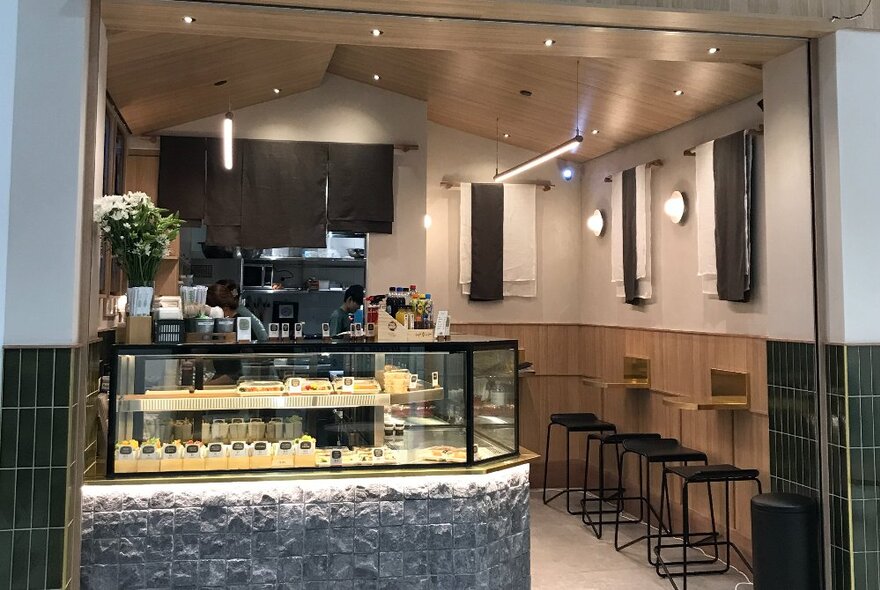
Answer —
(794, 423)
(34, 466)
(853, 385)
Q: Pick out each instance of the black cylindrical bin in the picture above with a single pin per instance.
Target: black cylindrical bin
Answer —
(785, 542)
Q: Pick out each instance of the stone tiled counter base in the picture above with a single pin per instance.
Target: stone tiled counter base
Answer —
(443, 532)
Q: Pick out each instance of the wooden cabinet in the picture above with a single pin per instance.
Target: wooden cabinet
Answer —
(142, 174)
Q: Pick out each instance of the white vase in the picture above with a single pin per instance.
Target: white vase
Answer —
(140, 301)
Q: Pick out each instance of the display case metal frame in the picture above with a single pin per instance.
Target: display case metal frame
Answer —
(458, 344)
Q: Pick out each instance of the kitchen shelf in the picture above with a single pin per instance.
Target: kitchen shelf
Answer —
(266, 290)
(142, 403)
(343, 262)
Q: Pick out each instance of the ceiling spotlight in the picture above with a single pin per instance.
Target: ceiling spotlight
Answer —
(189, 20)
(376, 32)
(276, 90)
(549, 42)
(377, 77)
(679, 92)
(596, 223)
(506, 135)
(595, 132)
(567, 173)
(714, 50)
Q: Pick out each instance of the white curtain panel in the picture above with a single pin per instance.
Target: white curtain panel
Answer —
(643, 232)
(520, 240)
(705, 208)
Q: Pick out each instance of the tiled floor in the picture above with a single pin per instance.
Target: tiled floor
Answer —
(565, 554)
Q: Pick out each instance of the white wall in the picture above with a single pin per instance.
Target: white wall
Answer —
(341, 110)
(461, 156)
(678, 303)
(43, 257)
(850, 126)
(8, 36)
(788, 238)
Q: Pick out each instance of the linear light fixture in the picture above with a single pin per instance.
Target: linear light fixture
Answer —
(227, 141)
(569, 145)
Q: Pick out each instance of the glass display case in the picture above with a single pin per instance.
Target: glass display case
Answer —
(309, 405)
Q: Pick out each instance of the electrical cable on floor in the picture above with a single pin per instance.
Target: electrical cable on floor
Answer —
(752, 584)
(835, 18)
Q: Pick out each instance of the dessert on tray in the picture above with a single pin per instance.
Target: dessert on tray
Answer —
(261, 388)
(359, 385)
(310, 386)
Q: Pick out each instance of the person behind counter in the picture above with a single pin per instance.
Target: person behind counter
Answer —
(340, 320)
(226, 371)
(258, 330)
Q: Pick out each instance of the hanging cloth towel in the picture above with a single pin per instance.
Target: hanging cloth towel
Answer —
(724, 172)
(705, 206)
(631, 234)
(518, 248)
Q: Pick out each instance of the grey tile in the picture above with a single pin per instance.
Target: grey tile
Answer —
(25, 453)
(27, 393)
(40, 501)
(11, 375)
(21, 542)
(8, 438)
(23, 499)
(63, 383)
(37, 572)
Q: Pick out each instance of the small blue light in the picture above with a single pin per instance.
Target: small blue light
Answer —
(567, 173)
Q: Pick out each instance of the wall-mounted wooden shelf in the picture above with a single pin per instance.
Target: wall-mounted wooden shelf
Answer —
(717, 403)
(729, 392)
(602, 384)
(636, 375)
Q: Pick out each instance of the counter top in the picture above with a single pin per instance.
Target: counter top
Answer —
(457, 342)
(525, 457)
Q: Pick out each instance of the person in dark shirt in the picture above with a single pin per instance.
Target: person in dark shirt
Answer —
(226, 371)
(351, 302)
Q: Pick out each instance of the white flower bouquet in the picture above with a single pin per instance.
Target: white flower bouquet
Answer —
(139, 233)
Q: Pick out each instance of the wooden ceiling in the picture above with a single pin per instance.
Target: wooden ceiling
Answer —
(624, 99)
(161, 72)
(161, 80)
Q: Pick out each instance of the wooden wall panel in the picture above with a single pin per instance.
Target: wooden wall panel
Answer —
(680, 365)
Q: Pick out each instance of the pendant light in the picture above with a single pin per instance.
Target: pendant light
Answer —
(569, 145)
(227, 141)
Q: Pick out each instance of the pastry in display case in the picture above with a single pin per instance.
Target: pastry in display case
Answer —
(311, 405)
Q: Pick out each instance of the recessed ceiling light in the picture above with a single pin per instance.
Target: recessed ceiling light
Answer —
(189, 20)
(679, 92)
(276, 90)
(377, 77)
(525, 92)
(714, 50)
(595, 132)
(549, 42)
(506, 135)
(376, 32)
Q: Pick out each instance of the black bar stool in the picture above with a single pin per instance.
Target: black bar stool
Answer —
(572, 423)
(698, 474)
(650, 452)
(605, 439)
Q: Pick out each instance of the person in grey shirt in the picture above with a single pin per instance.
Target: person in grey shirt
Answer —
(258, 330)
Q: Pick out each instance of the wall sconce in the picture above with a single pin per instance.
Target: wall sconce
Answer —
(596, 223)
(676, 207)
(427, 221)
